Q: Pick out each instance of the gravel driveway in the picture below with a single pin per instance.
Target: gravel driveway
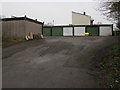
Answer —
(53, 62)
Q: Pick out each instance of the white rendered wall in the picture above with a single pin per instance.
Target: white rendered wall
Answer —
(105, 30)
(67, 31)
(79, 31)
(79, 19)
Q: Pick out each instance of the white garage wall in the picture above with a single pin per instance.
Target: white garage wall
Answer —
(79, 31)
(105, 30)
(67, 31)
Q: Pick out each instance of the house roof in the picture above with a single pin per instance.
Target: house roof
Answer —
(80, 13)
(84, 15)
(22, 18)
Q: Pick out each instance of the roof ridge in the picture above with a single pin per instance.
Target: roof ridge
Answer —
(22, 18)
(79, 13)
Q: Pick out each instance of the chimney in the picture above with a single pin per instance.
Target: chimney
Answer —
(84, 13)
(25, 16)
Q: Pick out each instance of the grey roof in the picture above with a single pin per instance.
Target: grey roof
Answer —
(22, 18)
(80, 13)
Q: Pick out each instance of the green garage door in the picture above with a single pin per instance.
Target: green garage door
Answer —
(47, 31)
(57, 31)
(93, 31)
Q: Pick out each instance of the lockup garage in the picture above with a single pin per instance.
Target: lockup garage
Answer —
(79, 30)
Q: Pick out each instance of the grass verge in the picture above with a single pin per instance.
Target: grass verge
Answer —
(8, 41)
(111, 67)
(0, 43)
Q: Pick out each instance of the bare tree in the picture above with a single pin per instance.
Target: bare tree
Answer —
(111, 9)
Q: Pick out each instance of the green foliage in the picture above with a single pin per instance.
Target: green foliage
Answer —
(113, 79)
(116, 49)
(116, 61)
(112, 67)
(114, 75)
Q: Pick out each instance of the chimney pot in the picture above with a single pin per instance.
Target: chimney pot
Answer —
(84, 13)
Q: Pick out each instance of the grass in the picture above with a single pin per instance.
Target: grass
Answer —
(111, 66)
(8, 41)
(0, 43)
(114, 73)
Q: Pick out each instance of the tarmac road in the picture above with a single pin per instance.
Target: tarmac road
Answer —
(54, 62)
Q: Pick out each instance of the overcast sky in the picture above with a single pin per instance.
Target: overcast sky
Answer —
(60, 12)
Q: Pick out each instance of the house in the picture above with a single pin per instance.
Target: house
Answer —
(20, 27)
(81, 19)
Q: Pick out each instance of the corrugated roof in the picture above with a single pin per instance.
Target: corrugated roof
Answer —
(22, 18)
